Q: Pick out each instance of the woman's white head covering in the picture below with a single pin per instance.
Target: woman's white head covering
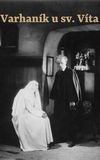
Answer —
(31, 93)
(31, 86)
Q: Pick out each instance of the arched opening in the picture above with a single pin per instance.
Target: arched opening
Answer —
(72, 39)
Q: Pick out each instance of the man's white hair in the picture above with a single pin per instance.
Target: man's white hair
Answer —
(60, 57)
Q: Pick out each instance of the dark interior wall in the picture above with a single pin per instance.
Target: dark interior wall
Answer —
(22, 46)
(31, 39)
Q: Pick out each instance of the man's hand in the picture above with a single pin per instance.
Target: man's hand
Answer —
(44, 115)
(72, 106)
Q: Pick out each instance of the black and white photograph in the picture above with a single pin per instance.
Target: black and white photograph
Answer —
(49, 79)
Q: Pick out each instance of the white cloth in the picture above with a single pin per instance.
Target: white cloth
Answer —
(77, 85)
(34, 131)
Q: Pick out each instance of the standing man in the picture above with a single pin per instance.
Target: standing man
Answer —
(65, 93)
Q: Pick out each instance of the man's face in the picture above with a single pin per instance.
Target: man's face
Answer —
(62, 64)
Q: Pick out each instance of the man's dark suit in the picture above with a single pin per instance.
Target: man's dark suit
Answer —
(63, 92)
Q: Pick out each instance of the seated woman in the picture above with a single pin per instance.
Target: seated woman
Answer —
(30, 122)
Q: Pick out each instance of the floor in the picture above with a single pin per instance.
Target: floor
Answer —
(87, 150)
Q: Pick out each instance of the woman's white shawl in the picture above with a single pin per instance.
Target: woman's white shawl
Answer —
(33, 131)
